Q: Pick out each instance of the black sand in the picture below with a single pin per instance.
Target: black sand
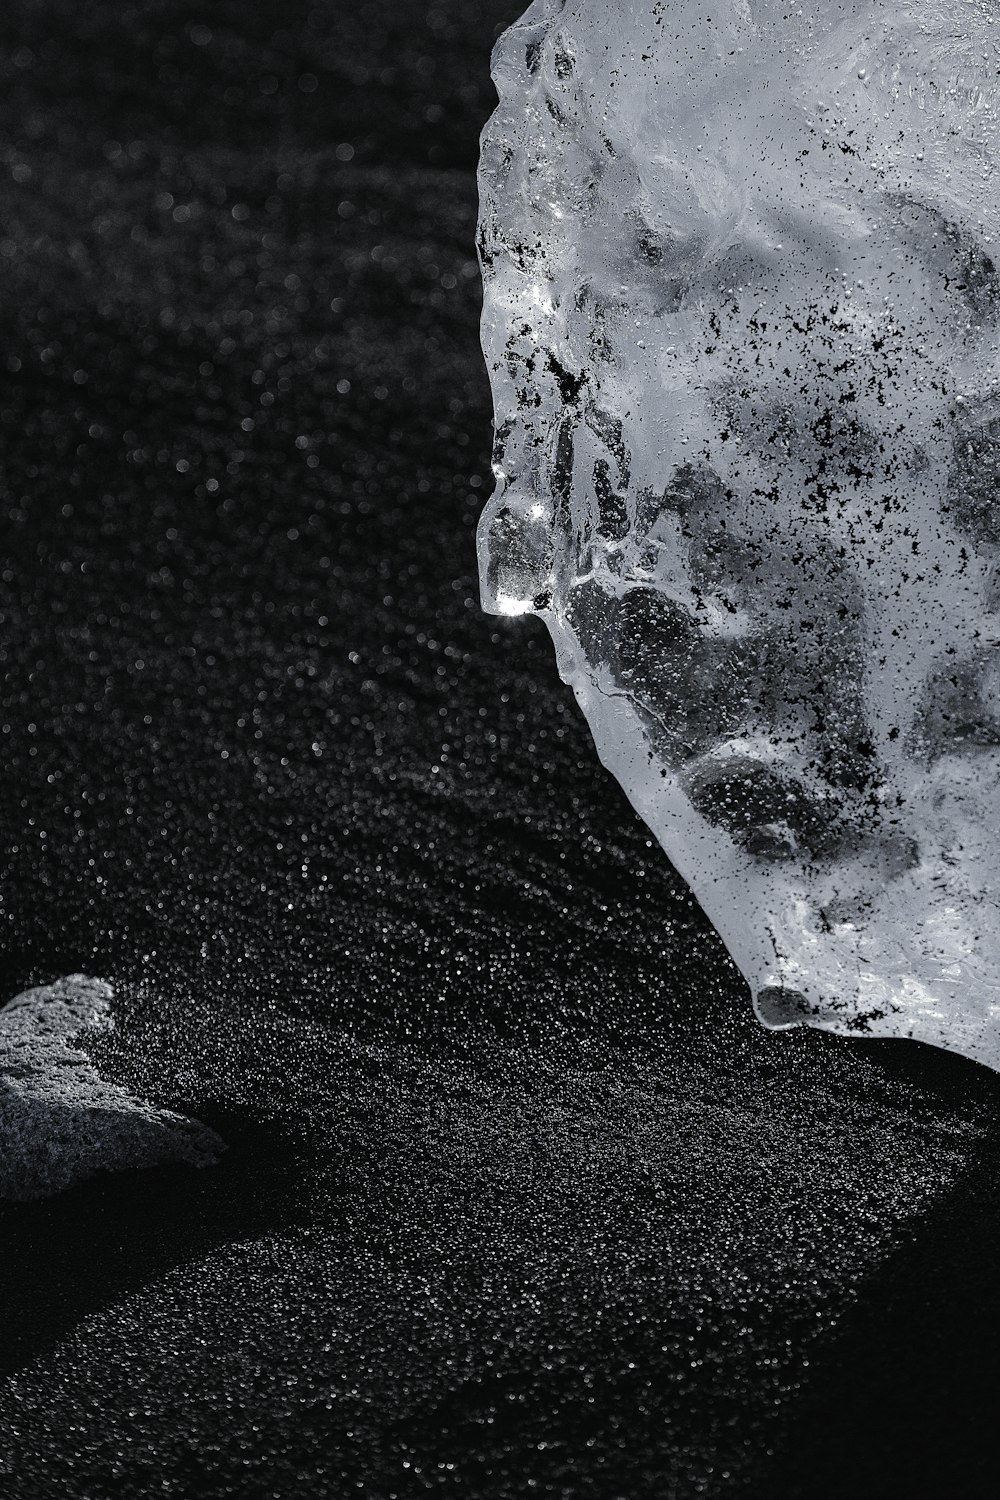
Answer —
(519, 1198)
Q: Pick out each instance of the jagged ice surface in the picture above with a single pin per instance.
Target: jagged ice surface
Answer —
(742, 322)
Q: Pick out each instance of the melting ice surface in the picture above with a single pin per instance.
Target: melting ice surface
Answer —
(742, 322)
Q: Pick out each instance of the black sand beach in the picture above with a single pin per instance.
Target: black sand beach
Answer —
(519, 1199)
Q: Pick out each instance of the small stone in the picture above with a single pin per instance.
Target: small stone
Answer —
(60, 1121)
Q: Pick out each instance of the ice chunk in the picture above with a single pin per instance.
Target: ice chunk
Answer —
(59, 1120)
(742, 322)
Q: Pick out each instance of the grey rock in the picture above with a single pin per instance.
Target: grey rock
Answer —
(60, 1121)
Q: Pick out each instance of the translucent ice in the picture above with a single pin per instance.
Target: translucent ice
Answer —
(742, 321)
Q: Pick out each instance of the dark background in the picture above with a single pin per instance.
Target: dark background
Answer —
(519, 1198)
